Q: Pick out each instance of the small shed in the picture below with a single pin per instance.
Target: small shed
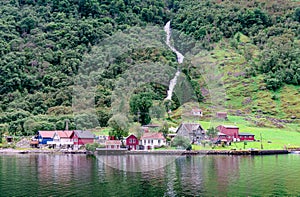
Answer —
(222, 115)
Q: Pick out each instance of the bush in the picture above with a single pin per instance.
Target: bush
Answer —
(92, 147)
(189, 147)
(181, 141)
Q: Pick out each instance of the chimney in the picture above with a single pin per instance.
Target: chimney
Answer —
(67, 125)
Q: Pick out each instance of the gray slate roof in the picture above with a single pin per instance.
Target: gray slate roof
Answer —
(190, 127)
(246, 134)
(84, 134)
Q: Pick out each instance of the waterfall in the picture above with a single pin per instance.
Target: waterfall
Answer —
(180, 58)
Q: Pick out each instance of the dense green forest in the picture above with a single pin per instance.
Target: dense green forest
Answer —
(43, 44)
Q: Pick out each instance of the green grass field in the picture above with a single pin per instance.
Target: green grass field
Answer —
(272, 138)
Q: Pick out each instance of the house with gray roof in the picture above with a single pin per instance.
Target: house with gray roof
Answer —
(83, 137)
(193, 131)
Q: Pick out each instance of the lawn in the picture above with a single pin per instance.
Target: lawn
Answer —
(102, 131)
(272, 138)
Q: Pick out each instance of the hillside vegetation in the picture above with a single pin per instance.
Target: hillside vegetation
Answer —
(44, 43)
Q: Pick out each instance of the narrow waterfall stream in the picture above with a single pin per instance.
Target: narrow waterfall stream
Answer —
(180, 58)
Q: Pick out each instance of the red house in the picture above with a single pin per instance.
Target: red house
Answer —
(132, 143)
(83, 137)
(246, 136)
(231, 132)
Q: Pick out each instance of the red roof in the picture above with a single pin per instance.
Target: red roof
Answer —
(65, 134)
(153, 136)
(131, 136)
(196, 110)
(113, 142)
(47, 134)
(230, 126)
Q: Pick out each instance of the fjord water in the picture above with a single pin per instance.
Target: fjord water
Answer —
(81, 175)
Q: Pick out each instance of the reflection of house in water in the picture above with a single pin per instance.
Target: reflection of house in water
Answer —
(225, 167)
(190, 171)
(62, 169)
(136, 163)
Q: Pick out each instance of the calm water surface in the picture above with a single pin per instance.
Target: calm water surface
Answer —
(81, 175)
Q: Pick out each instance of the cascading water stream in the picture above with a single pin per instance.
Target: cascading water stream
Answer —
(180, 58)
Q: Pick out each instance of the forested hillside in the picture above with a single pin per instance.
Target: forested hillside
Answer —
(43, 44)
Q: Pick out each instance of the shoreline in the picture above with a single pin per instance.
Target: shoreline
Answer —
(192, 152)
(153, 152)
(42, 151)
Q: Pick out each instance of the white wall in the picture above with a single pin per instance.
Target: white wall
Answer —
(153, 142)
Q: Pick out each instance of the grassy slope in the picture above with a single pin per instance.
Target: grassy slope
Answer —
(248, 94)
(288, 136)
(263, 109)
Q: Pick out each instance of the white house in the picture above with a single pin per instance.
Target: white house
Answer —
(113, 144)
(151, 140)
(197, 112)
(61, 138)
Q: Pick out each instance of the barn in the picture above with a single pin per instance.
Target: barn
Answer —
(246, 137)
(232, 132)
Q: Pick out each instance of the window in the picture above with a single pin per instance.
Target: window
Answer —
(130, 141)
(148, 141)
(144, 141)
(151, 141)
(159, 141)
(133, 140)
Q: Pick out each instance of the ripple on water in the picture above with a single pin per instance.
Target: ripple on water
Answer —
(78, 175)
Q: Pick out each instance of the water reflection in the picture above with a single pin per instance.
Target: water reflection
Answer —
(79, 175)
(137, 163)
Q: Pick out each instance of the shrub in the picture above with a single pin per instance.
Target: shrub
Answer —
(92, 147)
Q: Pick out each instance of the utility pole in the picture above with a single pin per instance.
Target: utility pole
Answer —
(261, 145)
